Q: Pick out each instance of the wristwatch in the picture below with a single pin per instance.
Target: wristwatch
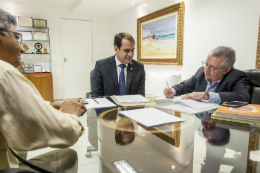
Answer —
(206, 96)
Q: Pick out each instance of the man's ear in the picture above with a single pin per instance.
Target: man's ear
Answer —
(117, 132)
(227, 69)
(116, 48)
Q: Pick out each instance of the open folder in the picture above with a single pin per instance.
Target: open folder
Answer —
(151, 117)
(131, 100)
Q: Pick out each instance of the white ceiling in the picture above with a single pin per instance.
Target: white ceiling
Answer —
(108, 8)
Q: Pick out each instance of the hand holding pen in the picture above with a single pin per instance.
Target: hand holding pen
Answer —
(168, 92)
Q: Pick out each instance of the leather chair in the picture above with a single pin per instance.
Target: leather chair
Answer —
(91, 124)
(17, 170)
(88, 94)
(254, 81)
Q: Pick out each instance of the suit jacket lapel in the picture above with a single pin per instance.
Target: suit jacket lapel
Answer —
(203, 85)
(112, 67)
(130, 72)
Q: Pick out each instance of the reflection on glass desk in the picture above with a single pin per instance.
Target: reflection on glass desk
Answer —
(196, 145)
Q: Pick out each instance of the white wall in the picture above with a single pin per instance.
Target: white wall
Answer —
(101, 36)
(207, 24)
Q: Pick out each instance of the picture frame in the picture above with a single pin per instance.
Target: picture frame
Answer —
(170, 133)
(174, 136)
(27, 35)
(160, 36)
(37, 68)
(40, 36)
(25, 21)
(40, 23)
(257, 65)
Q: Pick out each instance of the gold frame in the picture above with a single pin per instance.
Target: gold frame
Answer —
(180, 30)
(173, 139)
(257, 65)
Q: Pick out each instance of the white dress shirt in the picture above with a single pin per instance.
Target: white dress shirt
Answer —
(27, 121)
(119, 69)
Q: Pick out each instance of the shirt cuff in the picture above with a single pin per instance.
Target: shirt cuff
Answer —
(214, 98)
(174, 91)
(82, 129)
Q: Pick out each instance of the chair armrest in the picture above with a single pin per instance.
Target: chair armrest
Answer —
(88, 95)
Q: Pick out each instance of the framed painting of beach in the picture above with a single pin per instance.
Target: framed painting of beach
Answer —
(160, 36)
(257, 65)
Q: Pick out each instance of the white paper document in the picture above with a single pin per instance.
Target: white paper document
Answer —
(194, 104)
(131, 99)
(188, 106)
(151, 117)
(102, 103)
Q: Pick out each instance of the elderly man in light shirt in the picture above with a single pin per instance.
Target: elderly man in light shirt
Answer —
(27, 122)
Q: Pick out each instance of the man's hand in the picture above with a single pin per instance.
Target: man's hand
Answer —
(194, 96)
(73, 106)
(83, 109)
(168, 92)
(56, 105)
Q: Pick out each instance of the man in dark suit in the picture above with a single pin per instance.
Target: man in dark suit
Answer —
(217, 81)
(119, 74)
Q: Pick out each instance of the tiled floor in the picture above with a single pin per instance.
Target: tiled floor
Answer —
(86, 165)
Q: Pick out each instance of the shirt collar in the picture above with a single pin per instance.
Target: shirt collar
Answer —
(217, 82)
(118, 62)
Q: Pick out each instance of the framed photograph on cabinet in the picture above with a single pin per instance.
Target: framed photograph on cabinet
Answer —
(39, 23)
(25, 21)
(41, 36)
(160, 36)
(27, 35)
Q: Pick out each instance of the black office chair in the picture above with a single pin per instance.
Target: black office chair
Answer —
(88, 94)
(254, 81)
(17, 170)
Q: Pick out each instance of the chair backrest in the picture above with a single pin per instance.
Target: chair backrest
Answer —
(88, 94)
(17, 170)
(254, 81)
(91, 76)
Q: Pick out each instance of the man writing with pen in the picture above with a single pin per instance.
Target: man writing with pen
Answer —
(216, 82)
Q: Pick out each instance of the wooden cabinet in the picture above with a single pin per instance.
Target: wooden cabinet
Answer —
(43, 82)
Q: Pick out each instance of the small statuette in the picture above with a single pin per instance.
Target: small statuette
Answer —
(45, 50)
(25, 47)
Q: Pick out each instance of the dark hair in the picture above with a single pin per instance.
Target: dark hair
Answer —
(119, 36)
(224, 137)
(5, 20)
(119, 139)
(228, 52)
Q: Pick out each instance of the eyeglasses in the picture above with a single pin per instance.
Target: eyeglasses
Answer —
(17, 35)
(211, 68)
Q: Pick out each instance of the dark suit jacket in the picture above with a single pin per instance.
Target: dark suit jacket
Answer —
(105, 80)
(233, 87)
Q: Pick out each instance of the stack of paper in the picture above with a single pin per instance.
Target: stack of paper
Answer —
(151, 117)
(188, 106)
(99, 103)
(132, 99)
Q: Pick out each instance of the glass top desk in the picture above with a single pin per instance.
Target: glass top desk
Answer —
(196, 145)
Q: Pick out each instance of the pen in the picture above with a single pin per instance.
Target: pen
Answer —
(96, 101)
(167, 84)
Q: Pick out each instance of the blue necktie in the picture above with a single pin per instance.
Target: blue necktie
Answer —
(122, 80)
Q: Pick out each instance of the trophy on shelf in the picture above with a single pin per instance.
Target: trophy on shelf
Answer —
(38, 47)
(45, 50)
(25, 47)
